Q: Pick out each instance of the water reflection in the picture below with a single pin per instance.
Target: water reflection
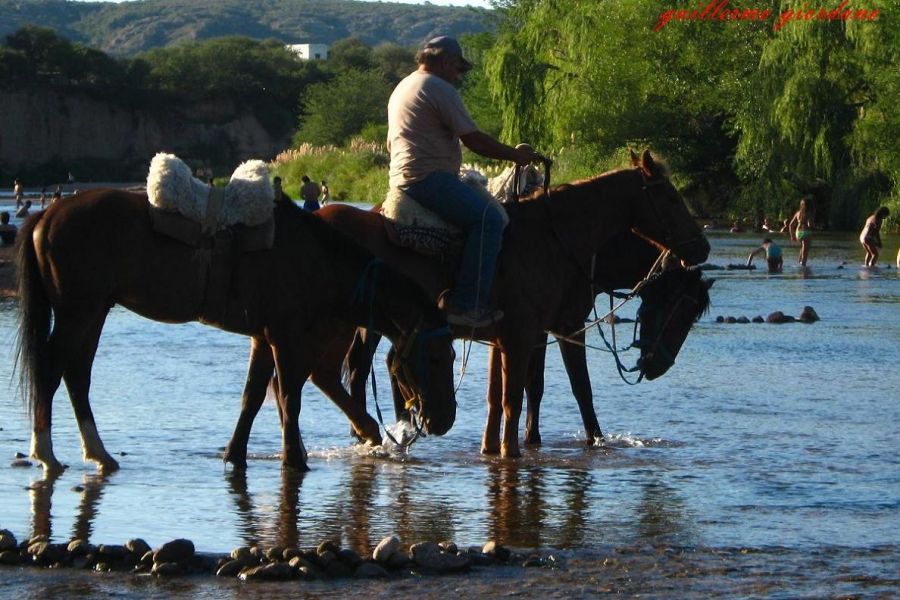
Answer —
(262, 528)
(41, 494)
(661, 515)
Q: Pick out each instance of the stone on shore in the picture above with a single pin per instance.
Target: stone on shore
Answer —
(429, 555)
(386, 548)
(176, 551)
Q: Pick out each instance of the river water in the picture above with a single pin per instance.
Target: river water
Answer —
(764, 464)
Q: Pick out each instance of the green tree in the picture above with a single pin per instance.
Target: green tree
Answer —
(586, 79)
(337, 110)
(804, 125)
(349, 53)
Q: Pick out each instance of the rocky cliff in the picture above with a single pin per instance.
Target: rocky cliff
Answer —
(49, 130)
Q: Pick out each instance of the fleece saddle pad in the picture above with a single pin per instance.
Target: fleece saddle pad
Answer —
(248, 198)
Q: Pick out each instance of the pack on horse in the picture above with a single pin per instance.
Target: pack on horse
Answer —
(671, 302)
(99, 248)
(547, 251)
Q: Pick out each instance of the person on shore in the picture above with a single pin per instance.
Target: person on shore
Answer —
(772, 252)
(800, 228)
(19, 193)
(870, 237)
(736, 227)
(280, 196)
(326, 193)
(57, 195)
(426, 122)
(309, 191)
(44, 198)
(23, 211)
(7, 230)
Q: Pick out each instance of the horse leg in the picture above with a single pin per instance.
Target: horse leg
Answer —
(534, 391)
(490, 441)
(293, 364)
(359, 364)
(327, 377)
(77, 377)
(575, 360)
(64, 342)
(515, 367)
(401, 413)
(259, 373)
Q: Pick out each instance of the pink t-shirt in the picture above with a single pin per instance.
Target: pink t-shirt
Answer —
(426, 117)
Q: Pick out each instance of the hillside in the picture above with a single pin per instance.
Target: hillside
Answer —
(130, 27)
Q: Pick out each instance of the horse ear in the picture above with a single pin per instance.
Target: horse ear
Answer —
(647, 163)
(635, 161)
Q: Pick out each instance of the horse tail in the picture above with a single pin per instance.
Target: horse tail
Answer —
(35, 315)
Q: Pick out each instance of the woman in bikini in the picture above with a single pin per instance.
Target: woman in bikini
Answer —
(800, 228)
(870, 237)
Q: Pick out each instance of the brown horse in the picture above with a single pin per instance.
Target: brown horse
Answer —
(97, 249)
(547, 251)
(671, 302)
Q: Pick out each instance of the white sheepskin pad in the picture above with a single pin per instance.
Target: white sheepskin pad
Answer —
(248, 197)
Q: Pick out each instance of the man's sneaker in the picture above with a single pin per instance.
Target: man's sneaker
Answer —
(474, 318)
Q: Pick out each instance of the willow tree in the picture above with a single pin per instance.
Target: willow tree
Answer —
(803, 126)
(596, 77)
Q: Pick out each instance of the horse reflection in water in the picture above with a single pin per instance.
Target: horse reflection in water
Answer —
(41, 492)
(80, 257)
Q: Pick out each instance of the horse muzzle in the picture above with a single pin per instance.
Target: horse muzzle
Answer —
(654, 365)
(693, 252)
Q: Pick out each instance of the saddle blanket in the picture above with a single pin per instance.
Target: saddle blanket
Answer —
(248, 198)
(422, 230)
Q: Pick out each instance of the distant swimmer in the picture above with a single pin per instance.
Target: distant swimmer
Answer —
(870, 236)
(772, 252)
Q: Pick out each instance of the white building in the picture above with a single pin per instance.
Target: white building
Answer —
(310, 51)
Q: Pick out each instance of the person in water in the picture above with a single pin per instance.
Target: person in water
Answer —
(772, 252)
(870, 237)
(800, 228)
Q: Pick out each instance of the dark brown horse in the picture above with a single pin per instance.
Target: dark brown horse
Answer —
(97, 249)
(671, 302)
(547, 251)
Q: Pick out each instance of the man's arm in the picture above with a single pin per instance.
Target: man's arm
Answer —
(487, 146)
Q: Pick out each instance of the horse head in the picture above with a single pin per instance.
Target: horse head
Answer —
(423, 368)
(662, 216)
(670, 304)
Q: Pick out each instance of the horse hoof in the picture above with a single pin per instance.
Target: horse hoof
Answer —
(107, 466)
(299, 469)
(54, 468)
(533, 440)
(490, 450)
(510, 453)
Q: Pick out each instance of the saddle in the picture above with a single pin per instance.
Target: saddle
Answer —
(219, 223)
(410, 225)
(245, 204)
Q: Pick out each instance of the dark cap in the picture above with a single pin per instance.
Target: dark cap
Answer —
(445, 45)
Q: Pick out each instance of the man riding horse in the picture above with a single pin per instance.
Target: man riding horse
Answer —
(426, 121)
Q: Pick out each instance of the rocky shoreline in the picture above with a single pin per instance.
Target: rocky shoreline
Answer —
(328, 561)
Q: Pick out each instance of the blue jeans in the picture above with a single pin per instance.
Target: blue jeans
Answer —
(481, 221)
